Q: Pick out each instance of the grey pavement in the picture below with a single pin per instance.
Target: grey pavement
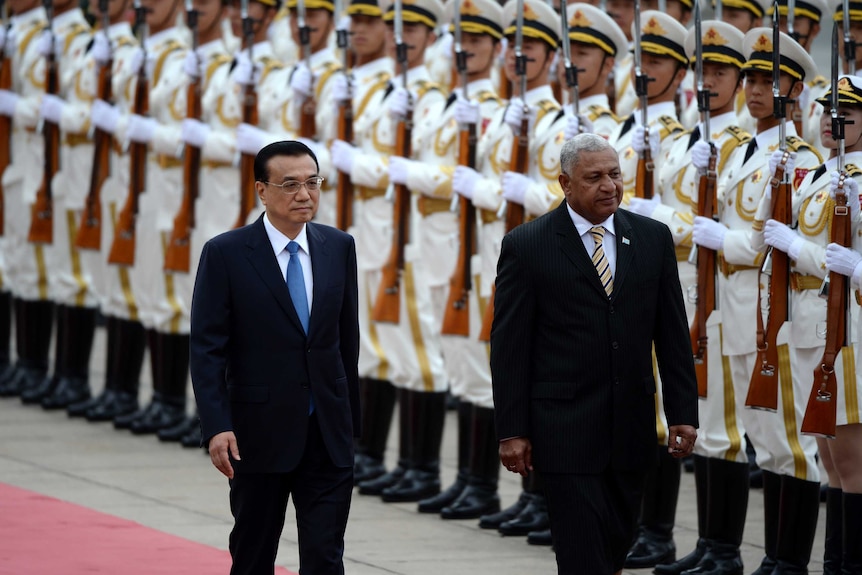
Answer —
(176, 490)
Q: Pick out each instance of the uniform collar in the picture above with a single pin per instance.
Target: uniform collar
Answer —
(600, 100)
(29, 17)
(372, 68)
(536, 95)
(769, 138)
(321, 57)
(66, 18)
(120, 30)
(155, 41)
(655, 111)
(415, 74)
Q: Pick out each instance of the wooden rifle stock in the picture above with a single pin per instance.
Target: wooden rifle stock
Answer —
(611, 91)
(178, 253)
(123, 247)
(307, 125)
(763, 388)
(706, 201)
(344, 189)
(456, 317)
(514, 215)
(89, 235)
(5, 131)
(387, 306)
(247, 193)
(42, 211)
(644, 187)
(821, 411)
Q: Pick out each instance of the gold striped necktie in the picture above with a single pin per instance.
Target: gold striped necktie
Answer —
(603, 266)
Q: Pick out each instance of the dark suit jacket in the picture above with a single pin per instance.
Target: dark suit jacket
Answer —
(253, 367)
(572, 370)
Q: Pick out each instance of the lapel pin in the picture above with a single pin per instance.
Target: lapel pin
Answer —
(625, 241)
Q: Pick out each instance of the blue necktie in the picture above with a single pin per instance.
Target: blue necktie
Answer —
(296, 288)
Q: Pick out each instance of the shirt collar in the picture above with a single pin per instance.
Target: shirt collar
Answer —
(583, 225)
(769, 138)
(279, 241)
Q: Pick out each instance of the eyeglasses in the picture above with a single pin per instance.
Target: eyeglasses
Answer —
(291, 187)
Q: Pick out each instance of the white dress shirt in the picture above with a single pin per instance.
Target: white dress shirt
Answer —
(279, 243)
(609, 243)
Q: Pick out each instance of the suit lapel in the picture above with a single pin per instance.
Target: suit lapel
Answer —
(624, 250)
(571, 244)
(320, 272)
(264, 262)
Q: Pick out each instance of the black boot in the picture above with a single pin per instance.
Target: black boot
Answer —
(727, 493)
(40, 317)
(180, 430)
(422, 480)
(691, 560)
(851, 559)
(797, 525)
(542, 537)
(494, 520)
(168, 408)
(378, 404)
(10, 385)
(74, 384)
(80, 408)
(771, 512)
(654, 542)
(125, 372)
(832, 546)
(480, 498)
(448, 496)
(378, 484)
(534, 517)
(5, 336)
(755, 474)
(155, 344)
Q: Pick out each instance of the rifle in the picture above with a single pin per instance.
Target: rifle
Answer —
(849, 39)
(518, 159)
(571, 70)
(821, 411)
(344, 188)
(307, 127)
(456, 317)
(5, 121)
(42, 211)
(387, 307)
(795, 110)
(763, 389)
(178, 252)
(644, 186)
(123, 246)
(247, 194)
(89, 235)
(706, 207)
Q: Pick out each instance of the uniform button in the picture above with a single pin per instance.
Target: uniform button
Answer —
(615, 345)
(611, 309)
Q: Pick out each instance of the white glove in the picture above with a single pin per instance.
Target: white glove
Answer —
(141, 129)
(341, 88)
(312, 145)
(851, 188)
(446, 40)
(574, 125)
(250, 139)
(10, 41)
(399, 102)
(101, 50)
(343, 23)
(51, 108)
(48, 44)
(8, 101)
(141, 58)
(195, 132)
(467, 111)
(193, 65)
(464, 181)
(399, 168)
(638, 140)
(643, 206)
(844, 261)
(514, 186)
(708, 233)
(104, 116)
(515, 114)
(302, 81)
(343, 155)
(700, 153)
(782, 238)
(775, 159)
(244, 72)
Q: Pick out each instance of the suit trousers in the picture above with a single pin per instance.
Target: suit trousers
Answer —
(593, 519)
(321, 496)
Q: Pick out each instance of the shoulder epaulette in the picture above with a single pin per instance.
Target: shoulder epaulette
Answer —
(28, 37)
(595, 111)
(425, 86)
(741, 135)
(546, 107)
(329, 69)
(852, 170)
(125, 41)
(487, 96)
(269, 64)
(171, 47)
(219, 59)
(795, 144)
(73, 32)
(669, 125)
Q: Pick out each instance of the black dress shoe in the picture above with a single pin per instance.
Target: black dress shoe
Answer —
(417, 484)
(164, 414)
(767, 566)
(69, 390)
(7, 371)
(23, 378)
(80, 408)
(366, 468)
(719, 559)
(193, 438)
(35, 391)
(542, 537)
(178, 431)
(534, 517)
(445, 498)
(377, 485)
(477, 500)
(690, 561)
(650, 549)
(10, 385)
(121, 404)
(494, 520)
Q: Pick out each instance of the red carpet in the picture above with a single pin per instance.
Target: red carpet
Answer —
(41, 535)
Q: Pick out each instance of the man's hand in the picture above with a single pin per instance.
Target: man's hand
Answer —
(681, 440)
(220, 445)
(516, 455)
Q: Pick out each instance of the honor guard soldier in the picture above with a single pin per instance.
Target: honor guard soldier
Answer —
(477, 34)
(126, 338)
(621, 90)
(535, 107)
(665, 62)
(740, 189)
(842, 455)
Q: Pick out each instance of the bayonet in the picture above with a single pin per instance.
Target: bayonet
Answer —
(791, 18)
(849, 40)
(571, 69)
(460, 55)
(641, 80)
(779, 101)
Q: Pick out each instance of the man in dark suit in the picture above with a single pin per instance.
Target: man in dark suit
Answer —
(274, 352)
(583, 294)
